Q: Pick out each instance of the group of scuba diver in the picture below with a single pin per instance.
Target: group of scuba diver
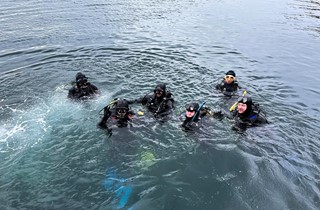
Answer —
(160, 103)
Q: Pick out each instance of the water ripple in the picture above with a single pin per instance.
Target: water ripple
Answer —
(54, 157)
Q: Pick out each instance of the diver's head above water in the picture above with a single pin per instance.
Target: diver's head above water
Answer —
(81, 80)
(191, 110)
(230, 77)
(244, 106)
(160, 90)
(122, 108)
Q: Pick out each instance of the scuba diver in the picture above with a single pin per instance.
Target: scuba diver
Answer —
(118, 112)
(160, 103)
(247, 114)
(228, 86)
(83, 89)
(195, 112)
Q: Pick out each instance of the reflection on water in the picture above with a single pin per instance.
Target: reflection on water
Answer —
(54, 157)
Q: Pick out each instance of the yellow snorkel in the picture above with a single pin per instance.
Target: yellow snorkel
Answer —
(233, 107)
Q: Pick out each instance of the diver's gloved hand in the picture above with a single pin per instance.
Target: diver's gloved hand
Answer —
(132, 101)
(131, 115)
(239, 127)
(227, 93)
(218, 114)
(102, 125)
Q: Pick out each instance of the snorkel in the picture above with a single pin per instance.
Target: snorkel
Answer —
(197, 112)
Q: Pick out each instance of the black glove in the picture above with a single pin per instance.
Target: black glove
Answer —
(218, 114)
(102, 125)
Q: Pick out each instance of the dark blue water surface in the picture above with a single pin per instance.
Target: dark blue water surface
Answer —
(53, 156)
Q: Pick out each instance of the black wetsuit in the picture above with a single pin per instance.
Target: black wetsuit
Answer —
(114, 118)
(254, 118)
(227, 89)
(190, 124)
(86, 91)
(159, 106)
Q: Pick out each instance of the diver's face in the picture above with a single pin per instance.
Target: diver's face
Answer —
(242, 108)
(122, 112)
(82, 83)
(229, 79)
(83, 86)
(159, 93)
(190, 114)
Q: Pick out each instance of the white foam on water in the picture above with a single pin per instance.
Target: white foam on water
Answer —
(30, 126)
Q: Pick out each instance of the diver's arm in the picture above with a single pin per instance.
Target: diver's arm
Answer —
(130, 114)
(74, 94)
(133, 101)
(162, 114)
(71, 93)
(239, 127)
(261, 120)
(104, 119)
(94, 88)
(231, 115)
(141, 100)
(236, 86)
(220, 85)
(217, 114)
(206, 111)
(228, 93)
(169, 105)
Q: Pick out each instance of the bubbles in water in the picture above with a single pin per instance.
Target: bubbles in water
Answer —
(55, 115)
